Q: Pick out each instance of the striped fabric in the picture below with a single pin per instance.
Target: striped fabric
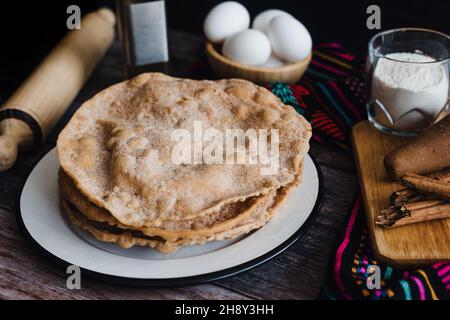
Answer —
(331, 96)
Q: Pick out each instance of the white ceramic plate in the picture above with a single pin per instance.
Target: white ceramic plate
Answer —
(44, 224)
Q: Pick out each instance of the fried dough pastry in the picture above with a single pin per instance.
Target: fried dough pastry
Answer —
(117, 148)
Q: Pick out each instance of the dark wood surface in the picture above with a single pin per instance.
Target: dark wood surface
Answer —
(297, 273)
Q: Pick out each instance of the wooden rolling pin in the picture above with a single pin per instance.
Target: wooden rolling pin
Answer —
(33, 110)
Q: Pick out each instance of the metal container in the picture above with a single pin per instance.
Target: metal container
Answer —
(143, 33)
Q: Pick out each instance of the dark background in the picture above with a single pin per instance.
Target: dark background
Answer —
(29, 23)
(28, 29)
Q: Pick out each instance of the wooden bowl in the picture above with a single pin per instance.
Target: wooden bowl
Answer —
(226, 68)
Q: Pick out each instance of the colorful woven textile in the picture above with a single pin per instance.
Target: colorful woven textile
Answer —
(331, 96)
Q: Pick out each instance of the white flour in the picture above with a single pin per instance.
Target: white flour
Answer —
(412, 93)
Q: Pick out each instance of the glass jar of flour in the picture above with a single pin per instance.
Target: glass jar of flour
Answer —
(408, 80)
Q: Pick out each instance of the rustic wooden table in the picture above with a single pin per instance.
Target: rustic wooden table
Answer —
(297, 273)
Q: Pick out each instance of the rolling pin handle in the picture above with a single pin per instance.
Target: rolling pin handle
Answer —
(32, 111)
(8, 151)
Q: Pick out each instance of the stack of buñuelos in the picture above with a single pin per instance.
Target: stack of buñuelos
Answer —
(119, 180)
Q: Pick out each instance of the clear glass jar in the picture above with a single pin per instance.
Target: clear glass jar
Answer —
(407, 80)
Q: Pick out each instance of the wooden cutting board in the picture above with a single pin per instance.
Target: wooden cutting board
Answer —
(407, 246)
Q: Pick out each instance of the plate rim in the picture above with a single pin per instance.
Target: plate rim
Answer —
(179, 281)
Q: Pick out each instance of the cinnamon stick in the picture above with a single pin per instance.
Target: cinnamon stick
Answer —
(421, 204)
(423, 199)
(422, 184)
(443, 175)
(400, 197)
(414, 213)
(439, 211)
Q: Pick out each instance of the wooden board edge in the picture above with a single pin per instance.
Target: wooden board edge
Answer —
(394, 262)
(370, 225)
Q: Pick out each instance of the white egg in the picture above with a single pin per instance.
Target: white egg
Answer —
(262, 20)
(290, 39)
(224, 20)
(251, 47)
(273, 62)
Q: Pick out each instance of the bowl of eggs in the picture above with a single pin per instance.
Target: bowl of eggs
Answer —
(277, 47)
